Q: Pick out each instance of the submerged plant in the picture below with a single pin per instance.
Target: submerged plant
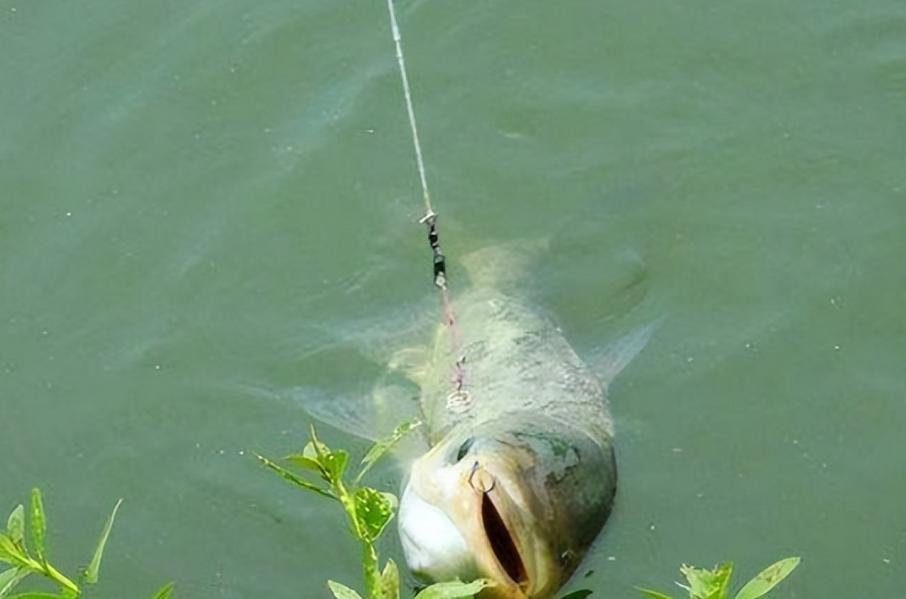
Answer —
(25, 561)
(368, 511)
(715, 584)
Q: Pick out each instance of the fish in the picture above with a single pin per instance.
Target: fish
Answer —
(519, 472)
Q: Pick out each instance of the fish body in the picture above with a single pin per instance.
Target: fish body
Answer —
(518, 475)
(521, 473)
(516, 360)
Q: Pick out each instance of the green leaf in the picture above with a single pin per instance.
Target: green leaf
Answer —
(10, 552)
(580, 594)
(453, 590)
(708, 584)
(307, 463)
(381, 447)
(390, 581)
(373, 511)
(315, 448)
(293, 478)
(652, 594)
(768, 578)
(35, 596)
(10, 578)
(331, 464)
(38, 524)
(341, 591)
(335, 465)
(164, 592)
(91, 572)
(15, 525)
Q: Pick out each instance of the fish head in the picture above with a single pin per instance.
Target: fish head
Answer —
(498, 501)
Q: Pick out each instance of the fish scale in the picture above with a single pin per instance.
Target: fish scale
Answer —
(516, 360)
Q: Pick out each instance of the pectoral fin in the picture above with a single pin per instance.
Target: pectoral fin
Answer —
(370, 416)
(608, 362)
(412, 362)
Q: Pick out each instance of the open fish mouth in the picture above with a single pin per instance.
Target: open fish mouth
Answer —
(502, 543)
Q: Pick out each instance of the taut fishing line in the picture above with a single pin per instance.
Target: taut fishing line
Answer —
(459, 398)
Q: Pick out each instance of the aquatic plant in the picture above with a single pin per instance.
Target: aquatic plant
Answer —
(25, 561)
(715, 584)
(367, 510)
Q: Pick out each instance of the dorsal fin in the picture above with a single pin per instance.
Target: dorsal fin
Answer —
(504, 265)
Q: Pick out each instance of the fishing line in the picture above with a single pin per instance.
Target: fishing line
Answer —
(459, 399)
(407, 94)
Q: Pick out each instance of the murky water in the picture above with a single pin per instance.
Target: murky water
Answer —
(198, 197)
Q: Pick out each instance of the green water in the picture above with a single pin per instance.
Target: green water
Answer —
(199, 197)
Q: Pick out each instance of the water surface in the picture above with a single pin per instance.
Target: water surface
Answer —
(200, 199)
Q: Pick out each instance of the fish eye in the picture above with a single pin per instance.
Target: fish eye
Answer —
(464, 448)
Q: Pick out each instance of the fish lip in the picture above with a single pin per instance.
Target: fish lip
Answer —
(504, 546)
(446, 539)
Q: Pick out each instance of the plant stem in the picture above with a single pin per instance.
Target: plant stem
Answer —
(349, 506)
(370, 564)
(372, 571)
(52, 573)
(58, 577)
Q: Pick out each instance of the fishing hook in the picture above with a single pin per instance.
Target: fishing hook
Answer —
(481, 488)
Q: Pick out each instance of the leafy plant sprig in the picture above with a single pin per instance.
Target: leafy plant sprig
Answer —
(715, 584)
(368, 512)
(14, 550)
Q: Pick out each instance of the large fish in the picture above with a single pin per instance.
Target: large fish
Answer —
(520, 473)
